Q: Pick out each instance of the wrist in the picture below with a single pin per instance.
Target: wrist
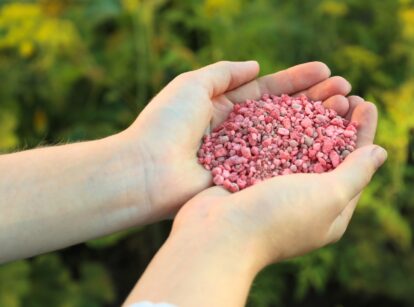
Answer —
(127, 169)
(211, 232)
(200, 261)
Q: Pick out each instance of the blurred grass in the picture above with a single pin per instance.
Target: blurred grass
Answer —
(76, 70)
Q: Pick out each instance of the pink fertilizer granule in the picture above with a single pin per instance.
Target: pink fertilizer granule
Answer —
(275, 136)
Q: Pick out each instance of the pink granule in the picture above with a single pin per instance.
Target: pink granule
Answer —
(275, 136)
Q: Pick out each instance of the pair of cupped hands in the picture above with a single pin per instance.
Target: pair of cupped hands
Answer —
(279, 218)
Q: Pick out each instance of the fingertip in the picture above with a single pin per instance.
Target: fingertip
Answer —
(254, 66)
(371, 108)
(356, 98)
(343, 85)
(253, 63)
(224, 76)
(325, 70)
(380, 155)
(314, 72)
(338, 103)
(354, 101)
(365, 113)
(245, 65)
(249, 67)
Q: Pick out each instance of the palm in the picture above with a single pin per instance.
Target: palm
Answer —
(294, 207)
(184, 111)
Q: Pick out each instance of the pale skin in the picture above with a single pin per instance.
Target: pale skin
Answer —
(220, 241)
(58, 196)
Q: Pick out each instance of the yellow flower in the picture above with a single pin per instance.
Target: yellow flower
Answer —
(17, 22)
(130, 5)
(407, 18)
(40, 121)
(222, 7)
(8, 123)
(54, 32)
(26, 49)
(26, 26)
(333, 8)
(53, 7)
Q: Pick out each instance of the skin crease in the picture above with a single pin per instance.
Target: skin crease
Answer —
(220, 241)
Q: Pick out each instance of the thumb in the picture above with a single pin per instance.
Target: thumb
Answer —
(358, 168)
(221, 77)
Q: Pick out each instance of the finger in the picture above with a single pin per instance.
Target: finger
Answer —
(365, 114)
(288, 81)
(223, 107)
(352, 175)
(223, 76)
(340, 224)
(338, 103)
(354, 101)
(323, 90)
(216, 78)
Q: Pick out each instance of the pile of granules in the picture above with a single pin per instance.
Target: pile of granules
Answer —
(275, 136)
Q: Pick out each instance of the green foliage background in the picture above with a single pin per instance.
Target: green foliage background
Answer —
(76, 70)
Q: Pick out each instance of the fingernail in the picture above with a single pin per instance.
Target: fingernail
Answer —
(380, 155)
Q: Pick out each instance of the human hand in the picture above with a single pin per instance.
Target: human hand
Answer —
(288, 216)
(167, 133)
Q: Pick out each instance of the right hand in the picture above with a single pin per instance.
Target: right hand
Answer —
(290, 215)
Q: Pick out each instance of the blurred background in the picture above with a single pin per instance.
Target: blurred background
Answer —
(80, 70)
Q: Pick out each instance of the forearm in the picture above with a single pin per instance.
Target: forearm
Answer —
(197, 270)
(58, 196)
